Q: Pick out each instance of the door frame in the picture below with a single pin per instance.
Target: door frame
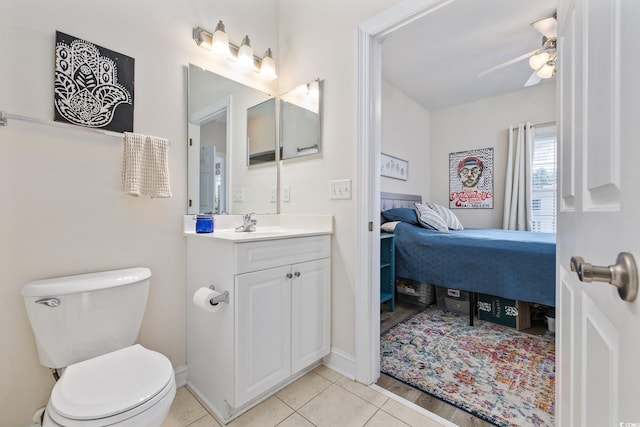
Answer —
(371, 34)
(204, 115)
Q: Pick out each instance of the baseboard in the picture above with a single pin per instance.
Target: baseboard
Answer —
(341, 362)
(181, 375)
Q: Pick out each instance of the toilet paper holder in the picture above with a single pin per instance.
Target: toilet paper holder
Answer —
(223, 297)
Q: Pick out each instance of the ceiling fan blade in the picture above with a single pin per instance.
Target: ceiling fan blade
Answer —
(533, 79)
(505, 64)
(547, 27)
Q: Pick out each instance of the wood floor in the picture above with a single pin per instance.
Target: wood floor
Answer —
(437, 406)
(449, 412)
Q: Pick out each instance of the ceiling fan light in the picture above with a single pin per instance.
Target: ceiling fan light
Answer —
(538, 60)
(546, 26)
(546, 71)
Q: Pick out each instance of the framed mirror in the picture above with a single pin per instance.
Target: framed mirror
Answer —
(300, 121)
(219, 178)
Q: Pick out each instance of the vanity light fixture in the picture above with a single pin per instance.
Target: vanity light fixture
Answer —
(245, 54)
(218, 43)
(313, 88)
(268, 67)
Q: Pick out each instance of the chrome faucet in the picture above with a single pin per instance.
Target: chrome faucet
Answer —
(248, 223)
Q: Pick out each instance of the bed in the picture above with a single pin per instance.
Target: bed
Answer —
(518, 265)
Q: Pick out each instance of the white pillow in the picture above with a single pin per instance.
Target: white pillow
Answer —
(452, 221)
(429, 218)
(389, 227)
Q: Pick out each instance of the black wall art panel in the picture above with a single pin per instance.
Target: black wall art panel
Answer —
(93, 85)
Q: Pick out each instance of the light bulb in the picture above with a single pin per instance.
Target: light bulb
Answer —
(245, 54)
(268, 66)
(546, 71)
(314, 89)
(220, 42)
(538, 60)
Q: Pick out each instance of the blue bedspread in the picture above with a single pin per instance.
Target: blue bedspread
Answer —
(518, 265)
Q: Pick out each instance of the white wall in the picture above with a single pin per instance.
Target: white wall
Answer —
(214, 134)
(62, 208)
(319, 39)
(405, 134)
(484, 124)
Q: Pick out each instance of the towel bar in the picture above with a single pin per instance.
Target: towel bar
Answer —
(4, 121)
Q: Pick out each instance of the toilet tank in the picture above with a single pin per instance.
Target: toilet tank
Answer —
(75, 318)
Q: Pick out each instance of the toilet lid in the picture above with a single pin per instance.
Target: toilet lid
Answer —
(110, 384)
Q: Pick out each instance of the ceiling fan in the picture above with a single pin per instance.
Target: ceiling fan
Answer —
(541, 60)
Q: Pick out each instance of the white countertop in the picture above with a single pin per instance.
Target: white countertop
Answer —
(275, 227)
(264, 233)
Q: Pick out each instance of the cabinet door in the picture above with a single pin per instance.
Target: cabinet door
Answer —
(263, 325)
(310, 312)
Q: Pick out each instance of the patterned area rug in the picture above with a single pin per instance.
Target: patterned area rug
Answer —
(496, 373)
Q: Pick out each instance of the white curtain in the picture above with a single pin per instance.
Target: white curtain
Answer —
(517, 194)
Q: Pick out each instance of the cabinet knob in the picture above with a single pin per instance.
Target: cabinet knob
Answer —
(297, 274)
(289, 275)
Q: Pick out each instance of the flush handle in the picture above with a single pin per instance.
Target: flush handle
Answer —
(623, 274)
(51, 302)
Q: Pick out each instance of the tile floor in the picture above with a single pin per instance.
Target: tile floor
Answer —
(322, 398)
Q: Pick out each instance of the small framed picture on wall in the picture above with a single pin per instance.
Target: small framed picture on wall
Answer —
(394, 167)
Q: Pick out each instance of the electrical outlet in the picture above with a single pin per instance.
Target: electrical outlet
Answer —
(285, 193)
(340, 189)
(238, 194)
(274, 194)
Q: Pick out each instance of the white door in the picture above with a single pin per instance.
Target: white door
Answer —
(263, 331)
(599, 205)
(310, 312)
(207, 178)
(220, 204)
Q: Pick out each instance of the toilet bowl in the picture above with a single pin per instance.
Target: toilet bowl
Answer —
(85, 327)
(133, 386)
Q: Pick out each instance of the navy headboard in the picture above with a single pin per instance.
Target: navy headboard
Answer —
(397, 200)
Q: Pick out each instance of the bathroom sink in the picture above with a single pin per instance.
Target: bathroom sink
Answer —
(261, 233)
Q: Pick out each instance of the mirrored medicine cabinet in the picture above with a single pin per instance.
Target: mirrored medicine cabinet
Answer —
(300, 121)
(238, 134)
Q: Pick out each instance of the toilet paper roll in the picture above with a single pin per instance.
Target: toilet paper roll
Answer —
(202, 299)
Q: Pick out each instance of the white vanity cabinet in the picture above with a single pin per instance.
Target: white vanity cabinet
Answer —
(281, 324)
(277, 322)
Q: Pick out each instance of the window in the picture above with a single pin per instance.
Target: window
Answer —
(544, 178)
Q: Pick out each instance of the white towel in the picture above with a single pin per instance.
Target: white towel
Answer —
(145, 166)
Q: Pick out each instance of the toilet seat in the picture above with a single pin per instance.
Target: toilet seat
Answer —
(111, 388)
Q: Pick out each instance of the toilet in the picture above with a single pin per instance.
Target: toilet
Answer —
(85, 327)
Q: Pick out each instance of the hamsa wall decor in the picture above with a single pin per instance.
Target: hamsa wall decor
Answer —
(93, 85)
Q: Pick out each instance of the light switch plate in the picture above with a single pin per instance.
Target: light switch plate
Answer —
(286, 195)
(274, 194)
(340, 189)
(238, 194)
